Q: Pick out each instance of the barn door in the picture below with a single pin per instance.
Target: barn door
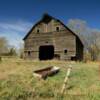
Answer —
(46, 52)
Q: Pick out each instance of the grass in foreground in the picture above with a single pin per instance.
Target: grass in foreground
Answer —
(17, 82)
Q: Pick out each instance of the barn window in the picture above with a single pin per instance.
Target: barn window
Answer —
(29, 53)
(65, 51)
(57, 28)
(38, 30)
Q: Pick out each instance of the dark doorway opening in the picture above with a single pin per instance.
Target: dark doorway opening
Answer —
(46, 52)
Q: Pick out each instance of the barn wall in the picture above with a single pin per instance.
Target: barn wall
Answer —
(61, 40)
(79, 49)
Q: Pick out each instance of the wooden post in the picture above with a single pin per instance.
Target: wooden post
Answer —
(66, 79)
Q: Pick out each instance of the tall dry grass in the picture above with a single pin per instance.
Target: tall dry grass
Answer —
(18, 83)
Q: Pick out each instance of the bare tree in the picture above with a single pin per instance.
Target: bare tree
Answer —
(3, 45)
(21, 50)
(12, 52)
(89, 36)
(80, 28)
(94, 47)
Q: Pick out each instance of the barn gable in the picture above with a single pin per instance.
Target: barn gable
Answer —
(40, 26)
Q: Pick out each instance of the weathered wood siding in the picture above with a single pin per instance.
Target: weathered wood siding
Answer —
(63, 40)
(48, 35)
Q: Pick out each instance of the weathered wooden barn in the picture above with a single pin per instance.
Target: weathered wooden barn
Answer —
(49, 38)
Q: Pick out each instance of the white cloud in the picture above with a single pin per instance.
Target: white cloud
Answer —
(14, 31)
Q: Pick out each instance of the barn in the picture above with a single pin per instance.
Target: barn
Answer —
(50, 39)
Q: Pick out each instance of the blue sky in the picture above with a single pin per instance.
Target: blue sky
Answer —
(18, 16)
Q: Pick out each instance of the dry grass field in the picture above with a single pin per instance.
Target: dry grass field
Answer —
(18, 83)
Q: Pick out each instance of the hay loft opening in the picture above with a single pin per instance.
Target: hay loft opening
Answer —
(46, 52)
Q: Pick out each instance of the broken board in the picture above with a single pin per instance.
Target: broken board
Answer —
(45, 72)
